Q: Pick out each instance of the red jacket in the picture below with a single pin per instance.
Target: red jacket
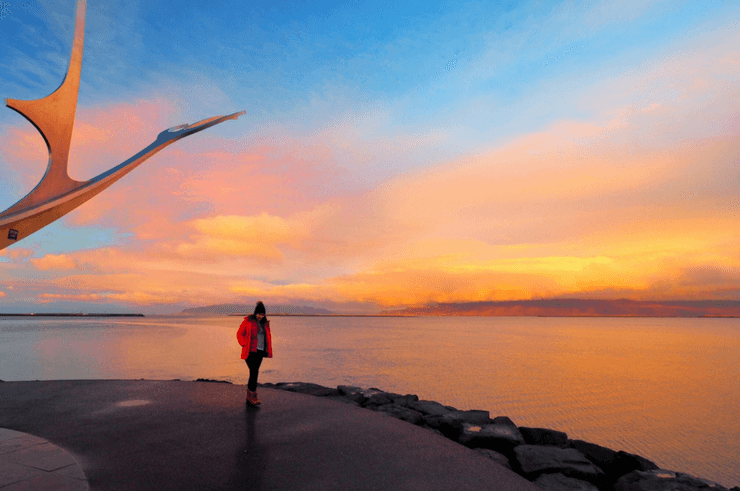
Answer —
(247, 336)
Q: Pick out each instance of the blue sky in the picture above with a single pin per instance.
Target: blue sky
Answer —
(348, 101)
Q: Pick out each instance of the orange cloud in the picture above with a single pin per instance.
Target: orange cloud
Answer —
(639, 202)
(255, 236)
(55, 262)
(53, 297)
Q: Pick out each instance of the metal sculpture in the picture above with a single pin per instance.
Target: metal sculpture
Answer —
(57, 194)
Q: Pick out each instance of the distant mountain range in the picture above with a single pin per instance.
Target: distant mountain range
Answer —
(582, 307)
(233, 308)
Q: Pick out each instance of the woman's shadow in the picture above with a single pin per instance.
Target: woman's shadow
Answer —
(252, 457)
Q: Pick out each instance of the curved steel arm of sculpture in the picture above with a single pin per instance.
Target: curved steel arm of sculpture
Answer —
(57, 194)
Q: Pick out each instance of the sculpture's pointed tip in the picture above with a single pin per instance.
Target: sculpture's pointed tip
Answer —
(235, 115)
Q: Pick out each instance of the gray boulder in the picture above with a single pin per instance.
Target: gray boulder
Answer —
(451, 423)
(614, 464)
(499, 437)
(628, 462)
(307, 388)
(472, 416)
(663, 480)
(372, 391)
(345, 390)
(375, 400)
(534, 460)
(503, 420)
(357, 398)
(543, 436)
(352, 393)
(429, 408)
(500, 459)
(404, 400)
(601, 456)
(404, 413)
(559, 482)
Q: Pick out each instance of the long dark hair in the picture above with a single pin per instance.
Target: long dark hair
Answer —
(260, 309)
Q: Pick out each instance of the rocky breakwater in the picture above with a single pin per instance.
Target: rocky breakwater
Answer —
(546, 457)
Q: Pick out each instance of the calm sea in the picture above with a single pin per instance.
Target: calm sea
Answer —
(666, 389)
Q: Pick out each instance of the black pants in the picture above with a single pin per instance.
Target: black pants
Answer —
(254, 360)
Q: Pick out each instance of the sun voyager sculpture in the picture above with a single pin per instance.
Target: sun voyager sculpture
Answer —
(57, 194)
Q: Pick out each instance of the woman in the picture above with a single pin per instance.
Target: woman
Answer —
(254, 337)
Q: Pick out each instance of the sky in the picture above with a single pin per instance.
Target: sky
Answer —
(392, 153)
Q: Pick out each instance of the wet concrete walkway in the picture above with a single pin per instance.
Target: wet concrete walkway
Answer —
(169, 435)
(30, 462)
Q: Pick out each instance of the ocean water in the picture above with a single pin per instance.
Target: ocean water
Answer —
(663, 388)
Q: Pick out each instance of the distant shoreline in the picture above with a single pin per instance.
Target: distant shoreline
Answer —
(709, 316)
(281, 314)
(71, 315)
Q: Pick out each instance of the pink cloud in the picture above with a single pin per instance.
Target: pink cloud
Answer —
(26, 157)
(638, 201)
(53, 297)
(106, 136)
(54, 262)
(16, 254)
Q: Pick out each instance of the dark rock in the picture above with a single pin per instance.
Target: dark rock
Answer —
(534, 460)
(503, 420)
(560, 482)
(404, 413)
(378, 399)
(345, 390)
(429, 408)
(357, 398)
(352, 393)
(307, 388)
(473, 416)
(500, 459)
(404, 400)
(543, 436)
(614, 464)
(445, 424)
(601, 456)
(211, 380)
(498, 437)
(451, 423)
(625, 463)
(663, 480)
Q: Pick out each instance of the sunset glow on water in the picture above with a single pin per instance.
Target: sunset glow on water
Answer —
(666, 389)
